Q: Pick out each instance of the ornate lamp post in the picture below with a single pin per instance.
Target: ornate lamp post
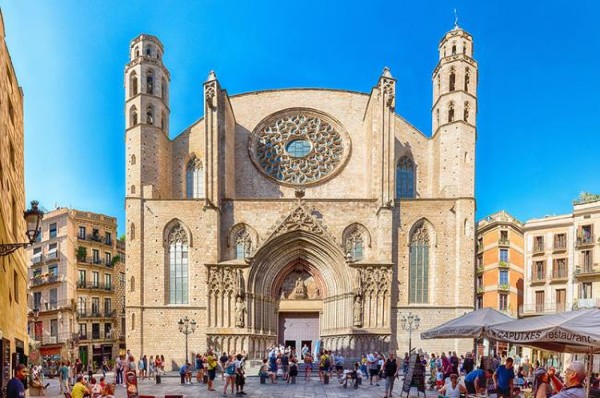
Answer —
(186, 327)
(410, 322)
(33, 217)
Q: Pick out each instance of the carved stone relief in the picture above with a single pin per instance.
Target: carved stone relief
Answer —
(299, 285)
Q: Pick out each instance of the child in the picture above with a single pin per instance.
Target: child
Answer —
(439, 379)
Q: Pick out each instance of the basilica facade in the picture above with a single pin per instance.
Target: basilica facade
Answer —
(310, 217)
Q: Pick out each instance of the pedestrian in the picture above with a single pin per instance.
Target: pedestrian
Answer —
(293, 370)
(541, 380)
(119, 370)
(468, 364)
(63, 374)
(504, 378)
(285, 365)
(222, 361)
(16, 387)
(151, 367)
(183, 372)
(308, 361)
(198, 366)
(229, 372)
(80, 388)
(454, 362)
(90, 369)
(405, 363)
(104, 367)
(240, 378)
(373, 362)
(339, 364)
(390, 370)
(211, 367)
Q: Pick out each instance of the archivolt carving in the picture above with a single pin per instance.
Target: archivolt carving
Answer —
(420, 233)
(226, 286)
(176, 233)
(243, 233)
(195, 163)
(324, 146)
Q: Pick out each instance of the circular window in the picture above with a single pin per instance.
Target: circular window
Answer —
(299, 146)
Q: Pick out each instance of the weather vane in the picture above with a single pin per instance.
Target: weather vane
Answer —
(455, 19)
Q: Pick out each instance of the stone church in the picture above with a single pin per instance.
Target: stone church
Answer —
(309, 216)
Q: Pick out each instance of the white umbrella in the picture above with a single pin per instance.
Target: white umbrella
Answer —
(472, 324)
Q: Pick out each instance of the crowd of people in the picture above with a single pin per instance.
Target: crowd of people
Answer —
(451, 375)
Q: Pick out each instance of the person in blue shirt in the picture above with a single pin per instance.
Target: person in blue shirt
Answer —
(504, 378)
(15, 387)
(476, 380)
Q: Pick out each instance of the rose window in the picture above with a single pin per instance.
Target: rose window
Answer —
(299, 147)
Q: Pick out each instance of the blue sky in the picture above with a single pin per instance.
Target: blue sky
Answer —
(539, 110)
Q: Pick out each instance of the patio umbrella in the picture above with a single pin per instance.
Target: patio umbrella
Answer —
(470, 325)
(572, 331)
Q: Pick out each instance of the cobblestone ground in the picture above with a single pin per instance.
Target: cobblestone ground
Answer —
(253, 388)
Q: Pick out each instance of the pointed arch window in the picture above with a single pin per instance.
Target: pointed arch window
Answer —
(133, 116)
(137, 52)
(453, 49)
(243, 244)
(418, 290)
(405, 178)
(150, 115)
(150, 82)
(450, 112)
(452, 80)
(467, 79)
(178, 265)
(466, 112)
(132, 160)
(355, 246)
(194, 179)
(133, 84)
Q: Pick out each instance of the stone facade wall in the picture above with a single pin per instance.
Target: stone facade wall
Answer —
(292, 229)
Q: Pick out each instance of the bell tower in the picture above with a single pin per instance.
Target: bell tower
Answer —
(147, 119)
(454, 113)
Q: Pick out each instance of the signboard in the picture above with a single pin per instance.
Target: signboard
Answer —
(415, 376)
(132, 387)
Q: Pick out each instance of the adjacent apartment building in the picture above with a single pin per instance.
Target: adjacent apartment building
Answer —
(499, 263)
(77, 287)
(562, 258)
(13, 267)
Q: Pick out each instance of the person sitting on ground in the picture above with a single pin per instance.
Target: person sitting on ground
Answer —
(453, 389)
(573, 386)
(265, 371)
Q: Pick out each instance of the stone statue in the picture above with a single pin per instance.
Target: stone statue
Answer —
(239, 288)
(240, 308)
(300, 289)
(357, 311)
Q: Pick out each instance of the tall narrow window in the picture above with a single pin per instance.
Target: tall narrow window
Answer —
(466, 112)
(194, 179)
(452, 80)
(467, 79)
(450, 112)
(243, 244)
(178, 265)
(150, 83)
(137, 52)
(418, 290)
(453, 49)
(150, 115)
(132, 231)
(163, 89)
(464, 47)
(405, 178)
(354, 245)
(133, 116)
(133, 84)
(163, 121)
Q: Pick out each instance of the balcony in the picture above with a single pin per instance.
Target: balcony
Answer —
(588, 303)
(96, 238)
(503, 242)
(97, 261)
(584, 241)
(62, 305)
(538, 249)
(96, 314)
(559, 246)
(52, 256)
(40, 280)
(503, 264)
(588, 271)
(541, 309)
(97, 335)
(37, 259)
(505, 287)
(480, 290)
(95, 286)
(560, 275)
(538, 279)
(57, 338)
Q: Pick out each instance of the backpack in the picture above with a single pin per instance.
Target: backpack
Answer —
(230, 370)
(327, 362)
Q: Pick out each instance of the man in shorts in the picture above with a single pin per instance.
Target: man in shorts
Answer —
(211, 367)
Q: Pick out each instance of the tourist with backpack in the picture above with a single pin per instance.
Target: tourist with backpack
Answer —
(229, 372)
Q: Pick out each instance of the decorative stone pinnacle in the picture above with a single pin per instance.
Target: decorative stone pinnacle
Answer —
(211, 76)
(386, 72)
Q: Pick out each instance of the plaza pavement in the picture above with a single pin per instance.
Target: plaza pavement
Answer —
(314, 388)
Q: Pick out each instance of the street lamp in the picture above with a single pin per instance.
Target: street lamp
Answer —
(33, 217)
(186, 327)
(410, 322)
